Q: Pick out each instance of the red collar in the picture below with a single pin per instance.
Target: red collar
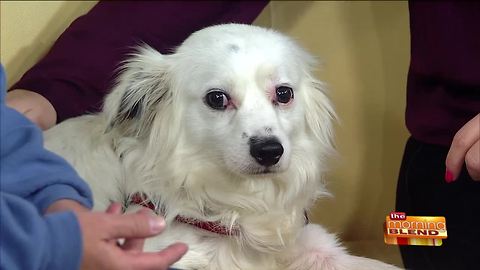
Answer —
(211, 226)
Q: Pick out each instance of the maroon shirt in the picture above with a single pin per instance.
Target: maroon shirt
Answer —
(443, 90)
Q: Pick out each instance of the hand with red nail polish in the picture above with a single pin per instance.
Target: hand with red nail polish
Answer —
(465, 148)
(448, 176)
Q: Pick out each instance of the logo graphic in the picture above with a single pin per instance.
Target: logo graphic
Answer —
(400, 229)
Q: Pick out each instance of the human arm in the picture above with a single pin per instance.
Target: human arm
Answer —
(48, 242)
(80, 67)
(27, 169)
(465, 148)
(84, 240)
(31, 241)
(30, 171)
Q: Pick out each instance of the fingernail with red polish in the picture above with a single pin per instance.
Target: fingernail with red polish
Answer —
(449, 176)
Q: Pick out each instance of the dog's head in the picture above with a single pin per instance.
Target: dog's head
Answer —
(242, 96)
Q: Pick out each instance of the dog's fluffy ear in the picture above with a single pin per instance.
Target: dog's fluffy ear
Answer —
(141, 88)
(320, 114)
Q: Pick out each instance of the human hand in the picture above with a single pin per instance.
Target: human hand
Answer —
(101, 251)
(132, 245)
(33, 106)
(465, 148)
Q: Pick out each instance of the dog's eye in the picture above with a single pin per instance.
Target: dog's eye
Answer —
(284, 94)
(217, 100)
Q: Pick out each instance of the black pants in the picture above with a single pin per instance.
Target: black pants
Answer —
(422, 191)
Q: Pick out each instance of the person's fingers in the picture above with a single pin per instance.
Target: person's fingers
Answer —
(114, 208)
(136, 225)
(462, 142)
(472, 160)
(136, 244)
(158, 260)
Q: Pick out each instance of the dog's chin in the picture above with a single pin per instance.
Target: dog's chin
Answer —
(259, 171)
(264, 171)
(251, 169)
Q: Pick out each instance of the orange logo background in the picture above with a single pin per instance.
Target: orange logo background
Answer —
(401, 229)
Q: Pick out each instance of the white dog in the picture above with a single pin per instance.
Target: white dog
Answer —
(228, 139)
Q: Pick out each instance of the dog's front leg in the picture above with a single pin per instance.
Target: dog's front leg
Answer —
(316, 249)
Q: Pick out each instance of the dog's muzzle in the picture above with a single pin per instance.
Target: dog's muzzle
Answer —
(266, 151)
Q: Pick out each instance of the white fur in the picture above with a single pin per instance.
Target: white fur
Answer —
(156, 135)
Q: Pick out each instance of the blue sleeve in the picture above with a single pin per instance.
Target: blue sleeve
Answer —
(30, 171)
(32, 178)
(32, 241)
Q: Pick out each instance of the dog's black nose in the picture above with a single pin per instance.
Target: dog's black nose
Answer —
(267, 152)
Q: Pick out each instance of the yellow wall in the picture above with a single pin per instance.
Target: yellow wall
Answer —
(364, 48)
(29, 28)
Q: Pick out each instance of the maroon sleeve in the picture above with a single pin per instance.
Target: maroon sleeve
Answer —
(443, 87)
(79, 69)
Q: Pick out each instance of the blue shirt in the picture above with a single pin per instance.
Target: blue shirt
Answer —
(31, 179)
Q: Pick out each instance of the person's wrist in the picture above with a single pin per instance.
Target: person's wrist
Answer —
(33, 106)
(66, 205)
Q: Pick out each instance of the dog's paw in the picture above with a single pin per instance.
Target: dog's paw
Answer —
(316, 249)
(319, 260)
(361, 263)
(314, 260)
